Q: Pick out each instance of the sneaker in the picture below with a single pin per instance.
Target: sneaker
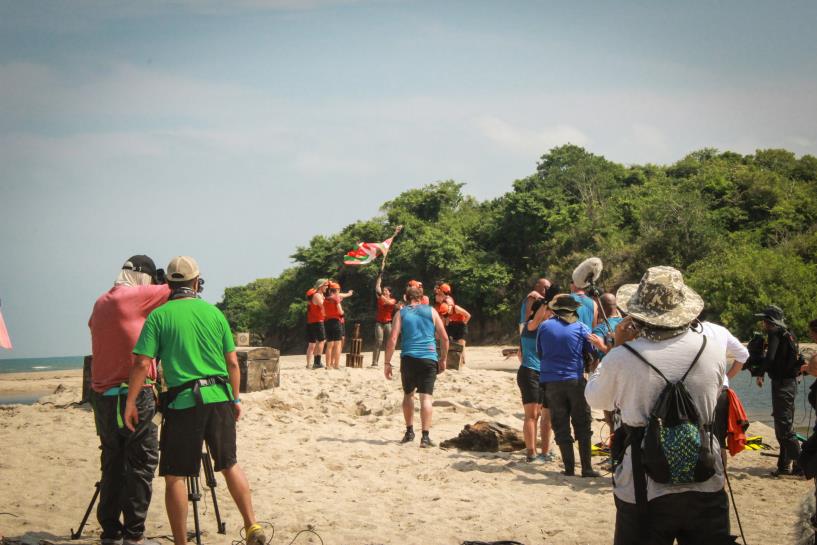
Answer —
(254, 535)
(317, 366)
(548, 457)
(408, 437)
(782, 472)
(375, 365)
(531, 459)
(426, 442)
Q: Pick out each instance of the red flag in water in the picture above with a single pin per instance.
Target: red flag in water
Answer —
(5, 341)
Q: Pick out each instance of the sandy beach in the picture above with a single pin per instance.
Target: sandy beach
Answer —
(322, 451)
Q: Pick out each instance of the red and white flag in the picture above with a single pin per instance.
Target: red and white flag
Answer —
(5, 341)
(366, 252)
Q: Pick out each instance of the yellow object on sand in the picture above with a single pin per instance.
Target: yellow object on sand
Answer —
(254, 535)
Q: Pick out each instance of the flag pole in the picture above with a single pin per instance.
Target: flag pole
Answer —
(396, 232)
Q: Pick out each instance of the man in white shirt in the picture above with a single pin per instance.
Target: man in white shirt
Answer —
(661, 309)
(737, 354)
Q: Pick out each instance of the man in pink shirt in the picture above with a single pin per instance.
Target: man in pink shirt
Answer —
(128, 458)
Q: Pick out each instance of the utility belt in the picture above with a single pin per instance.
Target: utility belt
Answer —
(167, 397)
(119, 391)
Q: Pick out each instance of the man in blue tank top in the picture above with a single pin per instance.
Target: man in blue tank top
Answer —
(419, 363)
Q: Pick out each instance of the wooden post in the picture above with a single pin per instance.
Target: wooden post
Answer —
(355, 358)
(454, 355)
(86, 380)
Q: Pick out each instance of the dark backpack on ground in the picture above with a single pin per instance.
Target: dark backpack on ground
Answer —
(677, 447)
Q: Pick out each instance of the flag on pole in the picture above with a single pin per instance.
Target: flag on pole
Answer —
(5, 341)
(366, 252)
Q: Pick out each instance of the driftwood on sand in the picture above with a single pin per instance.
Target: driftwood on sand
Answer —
(486, 437)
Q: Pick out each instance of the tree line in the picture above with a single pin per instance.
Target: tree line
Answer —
(742, 228)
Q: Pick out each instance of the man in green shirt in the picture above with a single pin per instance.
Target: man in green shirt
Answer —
(193, 341)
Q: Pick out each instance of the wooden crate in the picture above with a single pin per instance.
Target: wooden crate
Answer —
(260, 369)
(355, 358)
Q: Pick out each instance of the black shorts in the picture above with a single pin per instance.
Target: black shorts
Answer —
(418, 374)
(184, 430)
(457, 330)
(315, 332)
(528, 381)
(721, 424)
(334, 329)
(543, 400)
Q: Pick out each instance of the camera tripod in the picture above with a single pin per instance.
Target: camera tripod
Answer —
(193, 495)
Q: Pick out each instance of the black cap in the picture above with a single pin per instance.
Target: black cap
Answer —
(773, 314)
(141, 263)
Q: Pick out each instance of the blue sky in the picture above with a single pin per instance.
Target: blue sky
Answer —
(235, 132)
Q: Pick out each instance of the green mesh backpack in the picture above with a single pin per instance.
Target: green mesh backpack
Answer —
(677, 447)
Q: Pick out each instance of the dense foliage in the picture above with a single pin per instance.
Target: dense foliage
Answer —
(743, 229)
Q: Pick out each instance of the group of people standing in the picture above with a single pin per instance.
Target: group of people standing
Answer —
(621, 354)
(325, 324)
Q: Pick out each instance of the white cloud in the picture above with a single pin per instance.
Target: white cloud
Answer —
(529, 142)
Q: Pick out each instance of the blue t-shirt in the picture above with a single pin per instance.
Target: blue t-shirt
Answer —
(561, 347)
(417, 332)
(602, 331)
(586, 309)
(530, 358)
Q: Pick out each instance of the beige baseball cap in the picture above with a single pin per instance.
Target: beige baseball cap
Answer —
(182, 268)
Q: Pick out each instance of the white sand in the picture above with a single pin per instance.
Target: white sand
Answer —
(322, 450)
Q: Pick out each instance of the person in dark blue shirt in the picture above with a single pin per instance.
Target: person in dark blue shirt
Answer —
(562, 342)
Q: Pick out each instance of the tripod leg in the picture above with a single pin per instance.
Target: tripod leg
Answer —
(194, 495)
(210, 479)
(78, 533)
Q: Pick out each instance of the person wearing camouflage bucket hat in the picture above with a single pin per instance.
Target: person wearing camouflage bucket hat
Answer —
(661, 299)
(661, 307)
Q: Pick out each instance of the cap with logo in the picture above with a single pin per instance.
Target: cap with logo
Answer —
(182, 268)
(140, 263)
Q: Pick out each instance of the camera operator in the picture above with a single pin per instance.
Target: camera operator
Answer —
(583, 277)
(782, 363)
(193, 341)
(129, 457)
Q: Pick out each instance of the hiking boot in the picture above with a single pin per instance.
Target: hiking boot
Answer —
(426, 442)
(568, 459)
(586, 455)
(408, 437)
(255, 535)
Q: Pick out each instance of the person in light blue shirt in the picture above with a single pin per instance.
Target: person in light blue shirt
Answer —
(527, 378)
(419, 363)
(526, 306)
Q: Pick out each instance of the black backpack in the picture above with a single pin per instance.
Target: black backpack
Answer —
(677, 447)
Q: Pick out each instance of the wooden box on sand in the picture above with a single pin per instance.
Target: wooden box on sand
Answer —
(259, 368)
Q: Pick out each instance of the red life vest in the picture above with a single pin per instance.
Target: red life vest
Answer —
(385, 311)
(314, 313)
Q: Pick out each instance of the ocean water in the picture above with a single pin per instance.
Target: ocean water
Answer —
(24, 365)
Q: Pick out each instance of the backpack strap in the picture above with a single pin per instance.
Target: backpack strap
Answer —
(654, 368)
(698, 355)
(642, 358)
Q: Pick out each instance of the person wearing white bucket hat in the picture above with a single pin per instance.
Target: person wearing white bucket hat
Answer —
(661, 308)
